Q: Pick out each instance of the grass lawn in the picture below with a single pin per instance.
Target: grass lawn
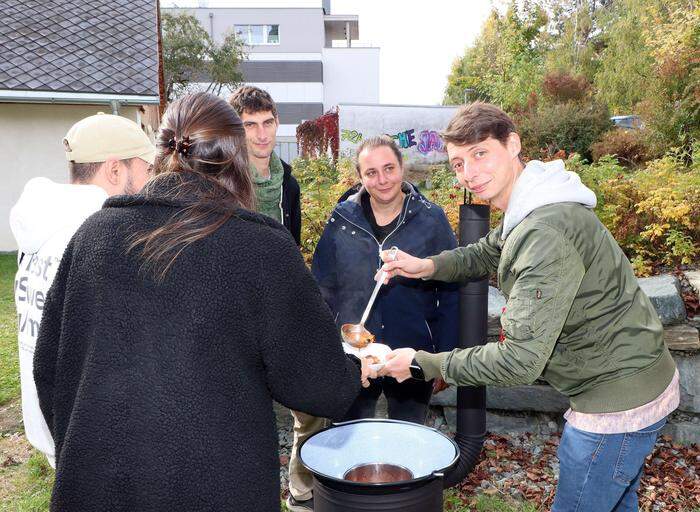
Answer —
(26, 487)
(484, 503)
(9, 362)
(25, 476)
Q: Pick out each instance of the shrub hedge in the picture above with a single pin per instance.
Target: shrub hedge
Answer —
(653, 212)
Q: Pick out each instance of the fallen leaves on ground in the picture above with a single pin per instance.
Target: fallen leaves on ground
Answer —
(520, 468)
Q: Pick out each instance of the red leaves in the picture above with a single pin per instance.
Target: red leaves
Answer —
(688, 293)
(692, 304)
(564, 86)
(522, 469)
(316, 136)
(671, 476)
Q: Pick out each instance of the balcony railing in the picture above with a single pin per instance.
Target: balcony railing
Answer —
(353, 44)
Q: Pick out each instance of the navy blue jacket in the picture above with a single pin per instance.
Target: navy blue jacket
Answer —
(408, 312)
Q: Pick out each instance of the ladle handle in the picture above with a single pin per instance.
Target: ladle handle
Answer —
(392, 254)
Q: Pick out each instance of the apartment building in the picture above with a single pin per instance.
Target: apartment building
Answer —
(307, 57)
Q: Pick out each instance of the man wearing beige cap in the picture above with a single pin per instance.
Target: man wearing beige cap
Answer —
(107, 155)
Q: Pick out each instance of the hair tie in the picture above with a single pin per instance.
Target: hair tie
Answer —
(181, 146)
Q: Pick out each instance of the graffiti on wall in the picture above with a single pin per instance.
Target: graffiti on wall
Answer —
(428, 140)
(404, 139)
(351, 135)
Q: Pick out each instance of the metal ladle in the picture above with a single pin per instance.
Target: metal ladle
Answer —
(356, 335)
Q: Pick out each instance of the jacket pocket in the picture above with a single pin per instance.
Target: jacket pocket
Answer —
(517, 319)
(634, 449)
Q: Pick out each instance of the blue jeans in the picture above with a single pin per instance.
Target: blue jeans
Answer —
(601, 472)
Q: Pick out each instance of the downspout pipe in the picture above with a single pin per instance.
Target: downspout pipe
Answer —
(473, 314)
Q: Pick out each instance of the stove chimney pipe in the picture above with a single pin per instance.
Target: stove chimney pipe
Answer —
(473, 314)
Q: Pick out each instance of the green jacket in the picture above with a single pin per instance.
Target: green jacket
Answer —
(575, 314)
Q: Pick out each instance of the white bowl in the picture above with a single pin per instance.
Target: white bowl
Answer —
(378, 350)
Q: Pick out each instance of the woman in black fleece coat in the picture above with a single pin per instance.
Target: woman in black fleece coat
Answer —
(173, 322)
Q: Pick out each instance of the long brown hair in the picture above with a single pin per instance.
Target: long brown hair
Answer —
(201, 137)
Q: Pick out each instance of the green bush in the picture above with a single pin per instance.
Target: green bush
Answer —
(322, 182)
(654, 212)
(631, 147)
(548, 129)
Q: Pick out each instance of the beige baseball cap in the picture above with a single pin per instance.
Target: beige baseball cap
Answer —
(99, 137)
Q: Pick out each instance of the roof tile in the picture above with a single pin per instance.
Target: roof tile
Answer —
(79, 46)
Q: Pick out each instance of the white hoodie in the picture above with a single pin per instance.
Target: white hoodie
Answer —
(43, 222)
(541, 184)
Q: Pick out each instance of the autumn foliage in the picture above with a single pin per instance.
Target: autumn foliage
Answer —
(509, 467)
(654, 212)
(317, 137)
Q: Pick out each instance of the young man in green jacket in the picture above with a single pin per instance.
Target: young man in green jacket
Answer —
(575, 314)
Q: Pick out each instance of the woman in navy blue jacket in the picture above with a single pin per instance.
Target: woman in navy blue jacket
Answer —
(420, 314)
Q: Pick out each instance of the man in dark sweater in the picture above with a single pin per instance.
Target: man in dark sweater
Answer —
(277, 194)
(276, 190)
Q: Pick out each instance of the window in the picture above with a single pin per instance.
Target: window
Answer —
(258, 34)
(273, 34)
(255, 34)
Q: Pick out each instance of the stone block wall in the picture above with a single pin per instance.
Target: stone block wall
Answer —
(539, 408)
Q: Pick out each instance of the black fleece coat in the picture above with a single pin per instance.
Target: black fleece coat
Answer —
(159, 396)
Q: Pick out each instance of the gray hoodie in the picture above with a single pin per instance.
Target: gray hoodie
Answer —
(541, 184)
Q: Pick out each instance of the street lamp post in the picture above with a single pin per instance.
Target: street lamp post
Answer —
(468, 90)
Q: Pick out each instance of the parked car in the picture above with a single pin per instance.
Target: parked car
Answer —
(631, 122)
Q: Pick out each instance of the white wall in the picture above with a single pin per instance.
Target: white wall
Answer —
(250, 4)
(287, 148)
(31, 145)
(292, 92)
(281, 92)
(287, 130)
(421, 146)
(301, 30)
(350, 75)
(294, 56)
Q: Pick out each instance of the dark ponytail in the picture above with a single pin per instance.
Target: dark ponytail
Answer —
(201, 135)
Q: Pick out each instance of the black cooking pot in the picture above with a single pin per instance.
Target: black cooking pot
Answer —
(378, 464)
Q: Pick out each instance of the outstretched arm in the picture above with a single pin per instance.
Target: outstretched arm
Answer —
(471, 262)
(306, 369)
(539, 303)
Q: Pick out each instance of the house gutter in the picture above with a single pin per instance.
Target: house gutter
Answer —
(113, 100)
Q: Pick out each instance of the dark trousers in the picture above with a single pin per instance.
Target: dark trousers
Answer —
(407, 401)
